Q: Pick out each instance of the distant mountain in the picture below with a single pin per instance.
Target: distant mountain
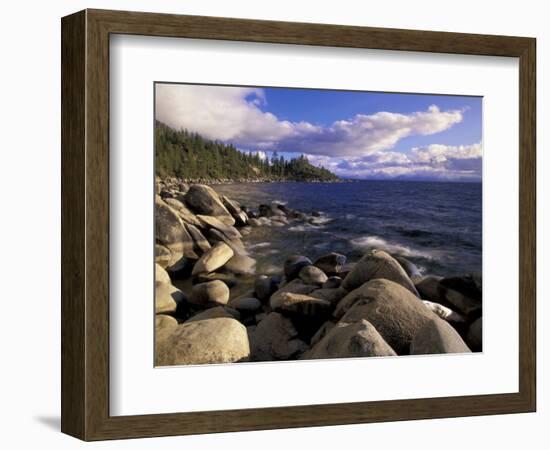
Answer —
(189, 156)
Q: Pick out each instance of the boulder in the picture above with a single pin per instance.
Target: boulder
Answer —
(294, 264)
(332, 283)
(312, 275)
(246, 304)
(216, 312)
(235, 210)
(437, 336)
(163, 255)
(211, 293)
(295, 286)
(213, 259)
(409, 267)
(275, 338)
(350, 340)
(167, 298)
(428, 287)
(181, 268)
(445, 313)
(236, 245)
(395, 312)
(201, 243)
(161, 276)
(331, 295)
(474, 338)
(210, 341)
(264, 287)
(241, 265)
(227, 278)
(212, 222)
(464, 293)
(204, 200)
(170, 231)
(164, 327)
(300, 305)
(321, 332)
(377, 264)
(253, 222)
(330, 263)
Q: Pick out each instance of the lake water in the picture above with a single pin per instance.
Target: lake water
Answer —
(438, 226)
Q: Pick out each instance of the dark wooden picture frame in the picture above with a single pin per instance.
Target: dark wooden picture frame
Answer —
(85, 224)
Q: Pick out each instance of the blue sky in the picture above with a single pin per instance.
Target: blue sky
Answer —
(369, 135)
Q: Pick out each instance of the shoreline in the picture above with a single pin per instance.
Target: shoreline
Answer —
(305, 312)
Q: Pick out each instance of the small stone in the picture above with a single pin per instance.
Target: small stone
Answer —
(312, 275)
(212, 293)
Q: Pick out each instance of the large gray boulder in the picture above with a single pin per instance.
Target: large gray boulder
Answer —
(331, 263)
(394, 311)
(209, 341)
(211, 293)
(212, 222)
(312, 275)
(167, 298)
(186, 215)
(204, 200)
(213, 259)
(170, 231)
(437, 336)
(377, 264)
(350, 340)
(294, 264)
(275, 338)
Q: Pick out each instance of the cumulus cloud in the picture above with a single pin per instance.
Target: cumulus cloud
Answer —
(436, 161)
(234, 114)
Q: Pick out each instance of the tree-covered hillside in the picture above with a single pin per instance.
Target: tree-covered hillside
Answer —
(189, 156)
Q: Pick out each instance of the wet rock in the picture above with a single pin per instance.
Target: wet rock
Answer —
(253, 222)
(211, 293)
(377, 264)
(330, 263)
(235, 210)
(219, 340)
(294, 264)
(409, 267)
(295, 286)
(350, 340)
(167, 298)
(246, 304)
(213, 259)
(321, 332)
(395, 312)
(204, 200)
(437, 336)
(462, 292)
(428, 287)
(275, 338)
(312, 275)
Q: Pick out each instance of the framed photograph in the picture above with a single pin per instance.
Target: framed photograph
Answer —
(273, 225)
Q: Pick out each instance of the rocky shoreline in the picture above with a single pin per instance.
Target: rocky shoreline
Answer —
(379, 305)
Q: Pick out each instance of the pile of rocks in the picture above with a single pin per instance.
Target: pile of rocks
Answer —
(327, 308)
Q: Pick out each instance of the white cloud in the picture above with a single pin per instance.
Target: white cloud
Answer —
(234, 115)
